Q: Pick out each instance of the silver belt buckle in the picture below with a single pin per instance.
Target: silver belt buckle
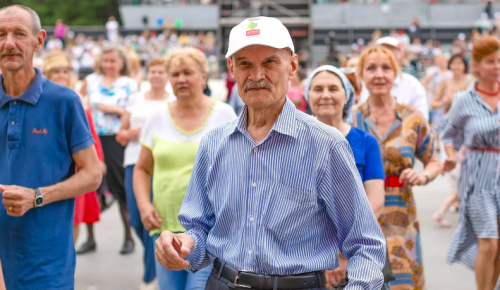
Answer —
(235, 283)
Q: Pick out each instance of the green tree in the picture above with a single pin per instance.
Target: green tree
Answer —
(73, 12)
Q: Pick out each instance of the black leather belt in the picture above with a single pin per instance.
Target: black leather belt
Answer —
(246, 280)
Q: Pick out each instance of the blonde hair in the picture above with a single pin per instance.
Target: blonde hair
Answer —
(379, 50)
(125, 69)
(135, 63)
(157, 61)
(177, 56)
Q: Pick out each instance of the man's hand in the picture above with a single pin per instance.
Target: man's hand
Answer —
(172, 249)
(334, 277)
(17, 200)
(150, 217)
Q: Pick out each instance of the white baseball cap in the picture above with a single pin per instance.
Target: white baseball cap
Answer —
(388, 40)
(260, 30)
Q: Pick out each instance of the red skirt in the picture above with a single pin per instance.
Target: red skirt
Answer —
(87, 208)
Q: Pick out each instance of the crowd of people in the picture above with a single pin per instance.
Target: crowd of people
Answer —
(303, 180)
(141, 49)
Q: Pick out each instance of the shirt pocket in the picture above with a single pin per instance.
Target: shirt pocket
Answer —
(296, 194)
(288, 211)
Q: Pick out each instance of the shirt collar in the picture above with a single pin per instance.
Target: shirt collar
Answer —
(31, 95)
(285, 124)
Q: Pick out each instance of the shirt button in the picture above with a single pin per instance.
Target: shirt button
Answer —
(15, 102)
(251, 218)
(249, 252)
(255, 150)
(254, 184)
(13, 122)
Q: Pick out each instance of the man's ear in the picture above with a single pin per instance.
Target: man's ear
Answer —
(40, 40)
(294, 64)
(230, 65)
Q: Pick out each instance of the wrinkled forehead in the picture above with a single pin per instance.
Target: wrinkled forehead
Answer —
(15, 17)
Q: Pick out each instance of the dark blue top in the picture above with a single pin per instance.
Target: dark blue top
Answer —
(367, 154)
(39, 132)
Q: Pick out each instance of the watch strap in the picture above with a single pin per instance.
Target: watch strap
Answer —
(37, 195)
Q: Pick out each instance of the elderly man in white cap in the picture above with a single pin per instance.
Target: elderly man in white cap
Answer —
(407, 89)
(274, 194)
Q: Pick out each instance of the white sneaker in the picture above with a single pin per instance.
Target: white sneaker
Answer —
(153, 285)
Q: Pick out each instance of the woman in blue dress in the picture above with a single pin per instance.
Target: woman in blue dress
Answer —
(330, 96)
(473, 121)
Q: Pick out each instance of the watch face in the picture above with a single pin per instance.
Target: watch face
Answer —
(39, 201)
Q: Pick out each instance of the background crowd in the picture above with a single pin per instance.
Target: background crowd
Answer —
(177, 64)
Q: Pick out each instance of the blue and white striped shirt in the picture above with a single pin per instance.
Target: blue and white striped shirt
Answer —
(284, 206)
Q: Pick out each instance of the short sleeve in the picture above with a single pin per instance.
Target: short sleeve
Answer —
(133, 86)
(146, 136)
(425, 139)
(148, 131)
(374, 168)
(77, 128)
(226, 113)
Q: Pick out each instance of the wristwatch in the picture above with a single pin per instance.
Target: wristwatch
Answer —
(427, 176)
(38, 198)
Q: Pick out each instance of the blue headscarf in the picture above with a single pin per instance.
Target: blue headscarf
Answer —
(349, 90)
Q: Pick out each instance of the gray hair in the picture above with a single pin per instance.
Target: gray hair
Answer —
(125, 69)
(35, 19)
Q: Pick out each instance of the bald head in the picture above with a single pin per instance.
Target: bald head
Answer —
(14, 9)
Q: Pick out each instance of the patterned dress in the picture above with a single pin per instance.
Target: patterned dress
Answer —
(472, 123)
(409, 137)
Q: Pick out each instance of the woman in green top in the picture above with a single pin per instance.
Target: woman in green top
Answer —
(170, 140)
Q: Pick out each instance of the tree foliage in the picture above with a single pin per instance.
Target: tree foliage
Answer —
(73, 12)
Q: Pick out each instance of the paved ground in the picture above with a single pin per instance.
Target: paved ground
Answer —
(107, 270)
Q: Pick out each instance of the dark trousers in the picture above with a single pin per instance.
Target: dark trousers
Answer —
(115, 175)
(218, 283)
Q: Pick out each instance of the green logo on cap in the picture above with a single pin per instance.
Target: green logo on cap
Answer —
(251, 25)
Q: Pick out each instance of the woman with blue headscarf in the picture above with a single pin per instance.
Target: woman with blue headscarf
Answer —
(330, 96)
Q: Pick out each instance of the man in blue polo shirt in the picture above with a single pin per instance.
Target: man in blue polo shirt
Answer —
(44, 135)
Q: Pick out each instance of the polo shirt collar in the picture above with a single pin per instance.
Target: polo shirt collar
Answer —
(286, 123)
(30, 96)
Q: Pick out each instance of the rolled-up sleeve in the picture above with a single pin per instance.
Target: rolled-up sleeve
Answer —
(358, 233)
(196, 213)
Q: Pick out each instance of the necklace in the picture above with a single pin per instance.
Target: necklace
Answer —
(490, 94)
(383, 113)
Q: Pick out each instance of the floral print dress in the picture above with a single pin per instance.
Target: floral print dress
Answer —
(409, 137)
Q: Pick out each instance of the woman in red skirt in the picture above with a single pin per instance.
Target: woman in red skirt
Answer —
(57, 68)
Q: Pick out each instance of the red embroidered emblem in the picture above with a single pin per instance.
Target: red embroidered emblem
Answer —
(41, 131)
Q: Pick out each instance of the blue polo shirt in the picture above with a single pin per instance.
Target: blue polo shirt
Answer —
(39, 132)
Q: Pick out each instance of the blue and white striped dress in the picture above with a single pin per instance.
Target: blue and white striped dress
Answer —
(472, 123)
